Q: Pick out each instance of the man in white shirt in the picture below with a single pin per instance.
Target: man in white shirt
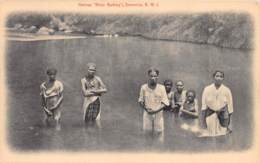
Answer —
(217, 98)
(153, 99)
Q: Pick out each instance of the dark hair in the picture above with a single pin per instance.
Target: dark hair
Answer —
(179, 81)
(50, 71)
(91, 65)
(214, 74)
(153, 70)
(191, 91)
(167, 81)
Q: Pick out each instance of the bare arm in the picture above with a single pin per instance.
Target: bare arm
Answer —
(102, 89)
(43, 102)
(85, 92)
(142, 105)
(44, 106)
(190, 113)
(98, 91)
(58, 103)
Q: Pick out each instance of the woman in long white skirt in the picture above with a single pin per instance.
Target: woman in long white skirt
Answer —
(217, 107)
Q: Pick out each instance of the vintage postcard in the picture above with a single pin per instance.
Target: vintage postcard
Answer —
(129, 81)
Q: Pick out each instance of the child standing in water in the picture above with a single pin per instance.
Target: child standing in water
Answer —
(92, 88)
(179, 97)
(51, 97)
(168, 87)
(189, 112)
(168, 110)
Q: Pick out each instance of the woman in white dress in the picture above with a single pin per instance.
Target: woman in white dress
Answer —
(217, 107)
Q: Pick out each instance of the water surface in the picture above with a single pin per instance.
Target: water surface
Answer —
(122, 64)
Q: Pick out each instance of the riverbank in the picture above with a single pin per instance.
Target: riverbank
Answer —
(17, 36)
(230, 30)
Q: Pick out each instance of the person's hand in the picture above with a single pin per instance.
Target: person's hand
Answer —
(48, 111)
(177, 105)
(141, 103)
(88, 93)
(92, 91)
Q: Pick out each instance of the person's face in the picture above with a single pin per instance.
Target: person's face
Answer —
(218, 78)
(179, 86)
(91, 72)
(168, 87)
(153, 77)
(52, 76)
(190, 96)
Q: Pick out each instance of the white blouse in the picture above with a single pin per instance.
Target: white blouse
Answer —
(216, 99)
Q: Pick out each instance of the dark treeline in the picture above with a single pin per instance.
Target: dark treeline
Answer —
(232, 30)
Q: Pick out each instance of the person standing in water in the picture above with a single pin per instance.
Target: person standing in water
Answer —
(189, 112)
(169, 121)
(92, 89)
(170, 94)
(217, 106)
(179, 97)
(51, 92)
(153, 99)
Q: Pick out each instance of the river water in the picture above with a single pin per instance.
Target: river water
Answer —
(122, 64)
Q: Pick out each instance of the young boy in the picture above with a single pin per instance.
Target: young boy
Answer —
(92, 88)
(51, 97)
(168, 87)
(189, 112)
(179, 97)
(153, 99)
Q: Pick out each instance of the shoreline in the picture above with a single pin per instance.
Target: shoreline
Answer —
(224, 30)
(16, 36)
(26, 37)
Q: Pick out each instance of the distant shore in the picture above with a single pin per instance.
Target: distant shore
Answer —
(42, 38)
(21, 36)
(228, 30)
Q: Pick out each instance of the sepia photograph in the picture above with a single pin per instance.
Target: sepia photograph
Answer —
(171, 82)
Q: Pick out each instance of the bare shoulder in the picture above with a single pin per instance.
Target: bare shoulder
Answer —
(58, 82)
(98, 78)
(83, 79)
(42, 85)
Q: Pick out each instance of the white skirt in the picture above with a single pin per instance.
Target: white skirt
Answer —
(213, 126)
